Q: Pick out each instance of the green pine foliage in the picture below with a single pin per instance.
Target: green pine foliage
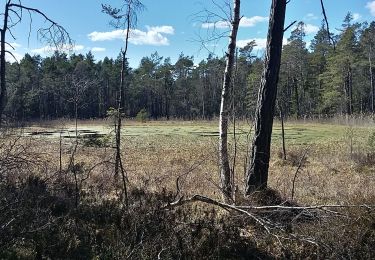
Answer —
(320, 78)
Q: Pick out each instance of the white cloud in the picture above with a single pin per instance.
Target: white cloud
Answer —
(64, 48)
(356, 16)
(371, 7)
(311, 29)
(106, 36)
(218, 25)
(308, 44)
(153, 36)
(311, 16)
(252, 21)
(245, 22)
(13, 55)
(16, 57)
(161, 29)
(98, 49)
(15, 45)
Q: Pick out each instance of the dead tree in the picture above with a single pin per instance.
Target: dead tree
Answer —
(124, 18)
(282, 129)
(53, 34)
(225, 174)
(257, 172)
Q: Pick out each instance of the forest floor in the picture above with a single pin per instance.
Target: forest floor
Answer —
(335, 162)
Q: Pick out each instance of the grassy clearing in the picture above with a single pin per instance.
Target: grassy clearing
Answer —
(155, 154)
(295, 132)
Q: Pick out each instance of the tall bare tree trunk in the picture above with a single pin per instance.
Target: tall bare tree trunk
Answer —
(257, 172)
(3, 93)
(225, 175)
(282, 130)
(118, 160)
(371, 82)
(296, 97)
(348, 90)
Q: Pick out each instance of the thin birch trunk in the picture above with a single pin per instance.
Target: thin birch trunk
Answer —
(225, 174)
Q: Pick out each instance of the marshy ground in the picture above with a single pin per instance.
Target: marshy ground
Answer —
(339, 168)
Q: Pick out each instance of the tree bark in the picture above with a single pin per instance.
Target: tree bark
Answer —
(257, 172)
(296, 97)
(118, 160)
(371, 82)
(350, 75)
(3, 92)
(282, 130)
(348, 90)
(225, 175)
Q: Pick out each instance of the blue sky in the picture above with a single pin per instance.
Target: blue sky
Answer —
(173, 26)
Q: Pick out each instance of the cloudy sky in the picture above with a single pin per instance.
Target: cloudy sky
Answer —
(171, 27)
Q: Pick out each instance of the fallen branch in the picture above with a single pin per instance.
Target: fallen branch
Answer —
(266, 224)
(263, 223)
(277, 207)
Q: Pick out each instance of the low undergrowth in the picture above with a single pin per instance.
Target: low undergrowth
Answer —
(41, 219)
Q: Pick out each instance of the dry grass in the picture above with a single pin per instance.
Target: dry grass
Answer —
(162, 152)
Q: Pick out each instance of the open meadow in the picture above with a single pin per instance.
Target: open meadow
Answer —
(338, 161)
(139, 129)
(327, 164)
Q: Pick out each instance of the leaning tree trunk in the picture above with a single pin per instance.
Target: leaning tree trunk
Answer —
(257, 173)
(225, 175)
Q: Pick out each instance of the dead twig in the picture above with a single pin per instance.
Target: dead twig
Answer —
(271, 227)
(327, 24)
(300, 163)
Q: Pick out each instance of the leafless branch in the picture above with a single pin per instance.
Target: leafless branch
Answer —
(225, 206)
(257, 214)
(315, 207)
(11, 54)
(126, 13)
(11, 34)
(53, 35)
(190, 170)
(290, 25)
(217, 25)
(300, 163)
(10, 45)
(327, 24)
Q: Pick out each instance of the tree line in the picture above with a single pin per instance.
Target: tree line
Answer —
(326, 78)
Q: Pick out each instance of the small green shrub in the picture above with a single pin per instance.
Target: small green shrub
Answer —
(142, 115)
(371, 142)
(97, 140)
